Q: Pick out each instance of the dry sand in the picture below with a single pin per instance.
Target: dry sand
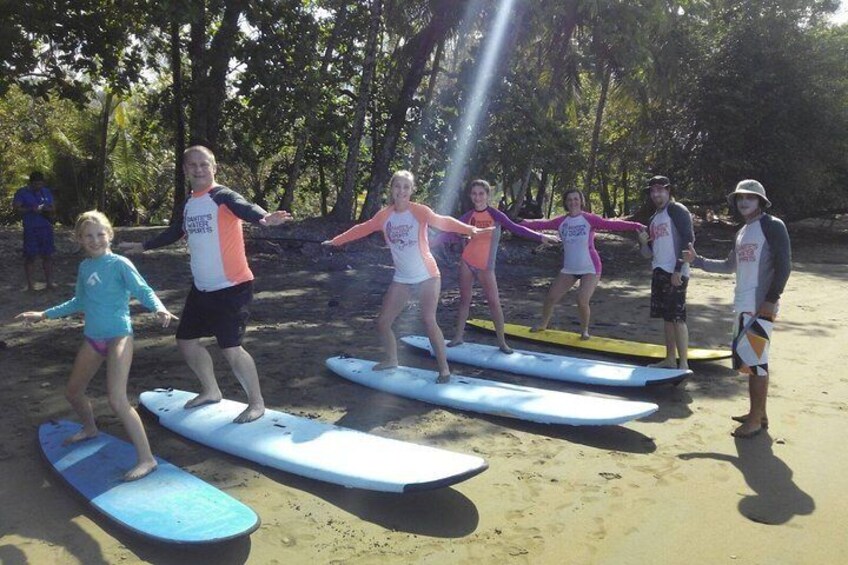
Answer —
(671, 488)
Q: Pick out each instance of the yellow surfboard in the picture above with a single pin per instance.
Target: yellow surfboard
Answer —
(599, 344)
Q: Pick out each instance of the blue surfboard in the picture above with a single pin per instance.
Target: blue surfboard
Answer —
(168, 505)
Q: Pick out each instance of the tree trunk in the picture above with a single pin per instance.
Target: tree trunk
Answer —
(542, 195)
(209, 71)
(551, 199)
(179, 126)
(522, 190)
(304, 135)
(199, 104)
(625, 189)
(596, 133)
(103, 134)
(425, 42)
(343, 210)
(603, 187)
(325, 190)
(427, 112)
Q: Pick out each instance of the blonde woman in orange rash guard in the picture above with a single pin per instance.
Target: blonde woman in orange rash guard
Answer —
(404, 225)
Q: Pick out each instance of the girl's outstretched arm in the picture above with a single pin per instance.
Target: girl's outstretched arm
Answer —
(358, 231)
(449, 224)
(518, 229)
(30, 317)
(552, 224)
(607, 224)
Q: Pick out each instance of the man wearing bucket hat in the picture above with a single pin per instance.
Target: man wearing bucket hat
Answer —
(761, 259)
(670, 232)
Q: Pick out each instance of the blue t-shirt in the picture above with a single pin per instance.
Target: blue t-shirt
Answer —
(30, 200)
(104, 287)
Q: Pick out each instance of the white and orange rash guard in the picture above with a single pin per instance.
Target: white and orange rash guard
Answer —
(406, 234)
(212, 223)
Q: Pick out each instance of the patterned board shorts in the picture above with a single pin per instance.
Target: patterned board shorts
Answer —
(751, 339)
(668, 301)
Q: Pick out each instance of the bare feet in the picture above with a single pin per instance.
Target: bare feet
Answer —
(442, 379)
(744, 418)
(746, 432)
(81, 435)
(455, 341)
(585, 336)
(385, 365)
(683, 366)
(250, 414)
(202, 399)
(665, 364)
(505, 348)
(140, 471)
(538, 328)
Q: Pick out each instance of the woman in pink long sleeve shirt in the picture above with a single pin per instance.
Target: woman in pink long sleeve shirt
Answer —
(580, 259)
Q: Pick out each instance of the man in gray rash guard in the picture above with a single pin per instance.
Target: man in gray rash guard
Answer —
(670, 232)
(762, 260)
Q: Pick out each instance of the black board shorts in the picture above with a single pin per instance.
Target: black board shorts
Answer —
(219, 313)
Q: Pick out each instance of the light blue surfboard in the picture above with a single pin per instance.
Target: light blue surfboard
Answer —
(492, 397)
(312, 448)
(169, 505)
(554, 367)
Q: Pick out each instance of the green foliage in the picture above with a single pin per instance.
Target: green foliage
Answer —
(592, 94)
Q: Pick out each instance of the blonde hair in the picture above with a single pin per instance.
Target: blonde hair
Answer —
(201, 149)
(95, 217)
(402, 174)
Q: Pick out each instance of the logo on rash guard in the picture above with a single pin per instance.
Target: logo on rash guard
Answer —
(399, 235)
(482, 222)
(575, 232)
(659, 230)
(93, 279)
(747, 252)
(201, 223)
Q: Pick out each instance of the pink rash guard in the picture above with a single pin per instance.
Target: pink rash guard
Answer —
(578, 239)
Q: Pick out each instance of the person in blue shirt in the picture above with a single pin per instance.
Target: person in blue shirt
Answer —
(105, 283)
(35, 203)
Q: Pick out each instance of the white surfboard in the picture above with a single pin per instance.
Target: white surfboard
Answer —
(491, 397)
(554, 367)
(311, 448)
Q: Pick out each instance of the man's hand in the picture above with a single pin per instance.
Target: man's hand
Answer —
(276, 218)
(767, 310)
(689, 255)
(131, 247)
(643, 237)
(676, 279)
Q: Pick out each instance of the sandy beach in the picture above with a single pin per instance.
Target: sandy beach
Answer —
(674, 487)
